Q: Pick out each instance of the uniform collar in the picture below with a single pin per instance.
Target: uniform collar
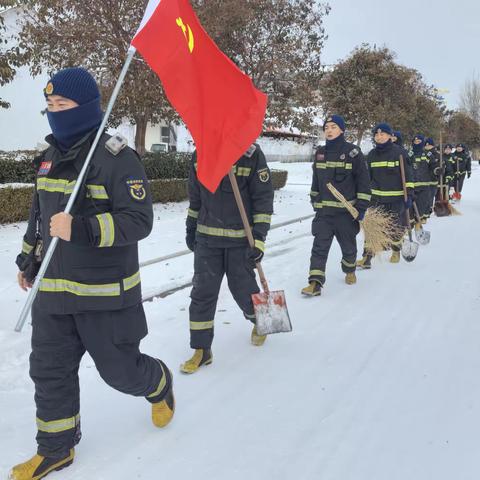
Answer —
(77, 153)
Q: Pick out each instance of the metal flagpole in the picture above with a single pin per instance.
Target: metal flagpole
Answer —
(73, 196)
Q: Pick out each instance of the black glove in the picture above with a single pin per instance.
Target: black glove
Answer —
(361, 215)
(29, 266)
(469, 174)
(254, 256)
(190, 239)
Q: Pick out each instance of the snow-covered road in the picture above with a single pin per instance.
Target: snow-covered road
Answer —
(378, 381)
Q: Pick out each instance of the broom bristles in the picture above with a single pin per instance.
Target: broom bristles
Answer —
(379, 227)
(453, 210)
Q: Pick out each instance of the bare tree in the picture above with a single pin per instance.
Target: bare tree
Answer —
(470, 97)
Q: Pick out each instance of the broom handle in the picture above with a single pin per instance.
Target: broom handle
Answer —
(352, 210)
(405, 196)
(247, 227)
(458, 176)
(442, 198)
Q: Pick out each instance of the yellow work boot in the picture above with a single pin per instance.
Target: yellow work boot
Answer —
(365, 262)
(39, 467)
(314, 289)
(162, 412)
(257, 340)
(200, 357)
(395, 258)
(350, 278)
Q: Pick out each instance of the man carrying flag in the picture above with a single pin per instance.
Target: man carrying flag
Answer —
(90, 300)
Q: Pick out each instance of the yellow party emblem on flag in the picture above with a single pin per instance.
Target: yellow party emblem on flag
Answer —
(188, 36)
(136, 188)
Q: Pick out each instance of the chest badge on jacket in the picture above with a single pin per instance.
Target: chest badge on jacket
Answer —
(136, 188)
(44, 168)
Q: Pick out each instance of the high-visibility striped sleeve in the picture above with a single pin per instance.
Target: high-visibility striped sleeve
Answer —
(260, 245)
(26, 247)
(364, 196)
(192, 213)
(97, 192)
(262, 218)
(107, 229)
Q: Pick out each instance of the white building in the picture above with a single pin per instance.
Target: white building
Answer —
(24, 127)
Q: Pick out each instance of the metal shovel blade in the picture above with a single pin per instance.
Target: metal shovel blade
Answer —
(409, 250)
(422, 236)
(271, 312)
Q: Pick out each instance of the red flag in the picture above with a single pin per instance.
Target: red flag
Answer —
(219, 104)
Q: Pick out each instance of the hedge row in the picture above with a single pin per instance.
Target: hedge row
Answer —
(15, 202)
(16, 167)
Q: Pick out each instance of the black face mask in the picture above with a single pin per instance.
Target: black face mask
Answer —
(70, 126)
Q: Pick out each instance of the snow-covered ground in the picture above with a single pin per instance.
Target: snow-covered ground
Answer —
(378, 381)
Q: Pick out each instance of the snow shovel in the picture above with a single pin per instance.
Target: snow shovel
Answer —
(409, 247)
(422, 236)
(270, 306)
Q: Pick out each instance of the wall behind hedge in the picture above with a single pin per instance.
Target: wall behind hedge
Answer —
(15, 202)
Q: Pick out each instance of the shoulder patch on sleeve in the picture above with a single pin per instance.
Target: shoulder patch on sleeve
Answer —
(353, 153)
(264, 175)
(251, 150)
(136, 189)
(116, 144)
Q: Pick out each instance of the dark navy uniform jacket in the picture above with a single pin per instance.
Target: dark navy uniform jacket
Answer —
(98, 269)
(345, 168)
(216, 217)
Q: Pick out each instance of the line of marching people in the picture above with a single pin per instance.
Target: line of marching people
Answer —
(90, 297)
(376, 180)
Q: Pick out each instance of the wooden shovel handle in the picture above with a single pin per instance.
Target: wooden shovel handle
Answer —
(246, 226)
(405, 196)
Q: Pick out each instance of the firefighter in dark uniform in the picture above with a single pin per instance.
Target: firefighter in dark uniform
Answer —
(463, 167)
(446, 172)
(342, 164)
(90, 298)
(215, 233)
(449, 162)
(387, 186)
(424, 164)
(435, 172)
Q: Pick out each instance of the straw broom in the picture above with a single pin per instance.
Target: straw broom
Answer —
(378, 226)
(451, 208)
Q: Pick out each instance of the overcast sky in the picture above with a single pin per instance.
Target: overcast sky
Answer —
(440, 38)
